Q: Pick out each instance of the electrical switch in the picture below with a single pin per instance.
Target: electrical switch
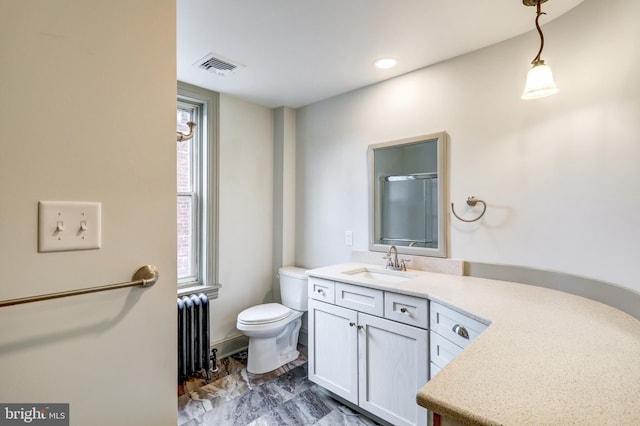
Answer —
(81, 219)
(348, 238)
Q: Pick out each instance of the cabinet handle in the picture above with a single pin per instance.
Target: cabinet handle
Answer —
(460, 331)
(351, 324)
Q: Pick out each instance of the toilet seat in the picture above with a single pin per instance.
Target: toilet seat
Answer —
(264, 314)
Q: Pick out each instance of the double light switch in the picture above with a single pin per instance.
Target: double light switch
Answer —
(68, 225)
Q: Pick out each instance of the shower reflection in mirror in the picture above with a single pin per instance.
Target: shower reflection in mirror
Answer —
(407, 191)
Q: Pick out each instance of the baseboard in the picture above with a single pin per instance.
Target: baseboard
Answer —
(230, 345)
(239, 342)
(354, 407)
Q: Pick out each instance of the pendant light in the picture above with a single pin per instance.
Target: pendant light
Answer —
(539, 79)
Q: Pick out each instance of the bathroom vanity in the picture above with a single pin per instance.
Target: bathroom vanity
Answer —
(369, 347)
(472, 350)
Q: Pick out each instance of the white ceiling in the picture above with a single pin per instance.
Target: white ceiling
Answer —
(296, 52)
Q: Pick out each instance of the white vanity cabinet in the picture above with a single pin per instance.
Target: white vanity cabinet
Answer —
(451, 332)
(321, 289)
(359, 354)
(392, 367)
(333, 349)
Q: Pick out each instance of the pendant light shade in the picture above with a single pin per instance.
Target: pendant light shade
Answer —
(539, 82)
(540, 78)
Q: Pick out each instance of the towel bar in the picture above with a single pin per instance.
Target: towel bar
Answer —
(145, 276)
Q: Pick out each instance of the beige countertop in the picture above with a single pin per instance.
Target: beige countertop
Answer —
(548, 357)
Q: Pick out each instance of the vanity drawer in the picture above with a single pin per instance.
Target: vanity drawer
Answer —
(362, 299)
(442, 351)
(433, 370)
(457, 327)
(321, 289)
(406, 309)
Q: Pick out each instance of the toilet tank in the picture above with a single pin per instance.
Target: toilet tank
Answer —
(293, 287)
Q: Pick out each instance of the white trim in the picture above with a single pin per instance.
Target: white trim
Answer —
(210, 150)
(211, 291)
(230, 345)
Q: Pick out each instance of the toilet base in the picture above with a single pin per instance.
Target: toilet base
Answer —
(267, 354)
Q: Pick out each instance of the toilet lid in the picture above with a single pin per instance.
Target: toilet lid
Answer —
(260, 314)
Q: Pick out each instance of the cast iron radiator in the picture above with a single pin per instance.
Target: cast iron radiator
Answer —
(193, 337)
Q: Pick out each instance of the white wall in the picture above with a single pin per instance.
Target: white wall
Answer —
(560, 175)
(246, 212)
(87, 114)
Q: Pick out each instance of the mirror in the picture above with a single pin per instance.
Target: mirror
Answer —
(407, 195)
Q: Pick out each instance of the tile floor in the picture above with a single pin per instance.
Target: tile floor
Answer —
(282, 397)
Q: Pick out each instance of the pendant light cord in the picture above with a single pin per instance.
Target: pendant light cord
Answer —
(538, 13)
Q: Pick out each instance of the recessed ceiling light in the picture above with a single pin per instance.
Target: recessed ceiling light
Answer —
(385, 63)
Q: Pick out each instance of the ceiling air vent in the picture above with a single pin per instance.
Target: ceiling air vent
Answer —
(217, 64)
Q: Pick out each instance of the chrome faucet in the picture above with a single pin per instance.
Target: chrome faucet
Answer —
(394, 264)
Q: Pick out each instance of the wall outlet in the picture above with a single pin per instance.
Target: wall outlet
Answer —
(348, 238)
(68, 225)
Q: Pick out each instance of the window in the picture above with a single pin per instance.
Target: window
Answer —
(196, 182)
(189, 184)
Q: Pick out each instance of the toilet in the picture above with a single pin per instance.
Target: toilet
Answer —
(273, 328)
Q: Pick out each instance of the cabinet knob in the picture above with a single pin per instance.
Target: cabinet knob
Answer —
(320, 291)
(404, 310)
(460, 331)
(351, 324)
(360, 327)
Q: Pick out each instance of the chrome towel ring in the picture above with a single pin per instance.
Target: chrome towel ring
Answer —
(471, 201)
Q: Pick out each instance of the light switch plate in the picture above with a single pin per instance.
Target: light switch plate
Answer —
(69, 225)
(348, 238)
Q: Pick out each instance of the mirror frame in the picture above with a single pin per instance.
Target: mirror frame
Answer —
(443, 196)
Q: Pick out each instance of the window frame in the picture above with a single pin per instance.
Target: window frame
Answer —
(206, 171)
(196, 167)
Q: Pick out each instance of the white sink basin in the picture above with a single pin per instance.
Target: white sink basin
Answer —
(385, 275)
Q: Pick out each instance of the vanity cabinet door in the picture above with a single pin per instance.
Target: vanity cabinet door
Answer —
(393, 367)
(333, 349)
